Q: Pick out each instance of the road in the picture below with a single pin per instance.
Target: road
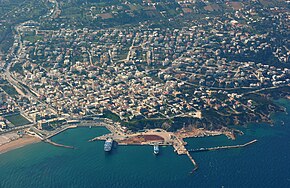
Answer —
(18, 84)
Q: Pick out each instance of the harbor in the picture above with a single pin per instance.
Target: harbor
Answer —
(152, 137)
(131, 164)
(160, 137)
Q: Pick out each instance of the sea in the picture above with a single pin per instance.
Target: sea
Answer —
(263, 164)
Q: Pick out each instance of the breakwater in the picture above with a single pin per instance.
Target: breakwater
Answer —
(223, 147)
(57, 144)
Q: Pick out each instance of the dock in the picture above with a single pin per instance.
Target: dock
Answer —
(179, 146)
(102, 138)
(142, 144)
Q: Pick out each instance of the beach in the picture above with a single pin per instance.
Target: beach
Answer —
(18, 143)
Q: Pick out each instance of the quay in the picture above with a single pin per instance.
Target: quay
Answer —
(143, 144)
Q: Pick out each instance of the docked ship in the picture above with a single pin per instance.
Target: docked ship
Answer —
(108, 145)
(156, 149)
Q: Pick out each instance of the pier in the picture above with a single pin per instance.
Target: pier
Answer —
(56, 132)
(58, 145)
(60, 131)
(193, 162)
(223, 147)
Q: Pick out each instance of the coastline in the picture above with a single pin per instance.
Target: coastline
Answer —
(182, 134)
(18, 143)
(125, 159)
(200, 132)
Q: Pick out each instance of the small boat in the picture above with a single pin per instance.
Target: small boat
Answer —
(156, 149)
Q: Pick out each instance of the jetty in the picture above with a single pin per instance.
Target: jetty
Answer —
(193, 162)
(223, 147)
(56, 144)
(46, 137)
(56, 132)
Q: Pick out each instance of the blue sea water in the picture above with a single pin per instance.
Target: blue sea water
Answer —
(263, 164)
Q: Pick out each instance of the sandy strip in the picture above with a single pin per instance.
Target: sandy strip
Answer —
(25, 140)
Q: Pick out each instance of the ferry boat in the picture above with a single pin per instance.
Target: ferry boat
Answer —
(156, 149)
(108, 145)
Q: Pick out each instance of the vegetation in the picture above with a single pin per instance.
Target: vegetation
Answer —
(17, 67)
(110, 115)
(136, 125)
(15, 12)
(10, 90)
(33, 38)
(17, 120)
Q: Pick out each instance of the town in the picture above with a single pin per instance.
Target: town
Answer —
(150, 72)
(148, 77)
